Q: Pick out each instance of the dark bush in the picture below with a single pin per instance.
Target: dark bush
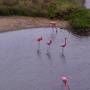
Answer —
(4, 10)
(80, 19)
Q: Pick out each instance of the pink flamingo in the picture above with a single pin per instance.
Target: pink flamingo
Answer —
(49, 43)
(53, 25)
(65, 82)
(39, 40)
(65, 43)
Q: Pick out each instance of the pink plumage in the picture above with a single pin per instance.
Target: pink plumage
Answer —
(39, 39)
(65, 80)
(65, 43)
(49, 42)
(53, 24)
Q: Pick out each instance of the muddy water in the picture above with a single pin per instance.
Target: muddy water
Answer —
(22, 67)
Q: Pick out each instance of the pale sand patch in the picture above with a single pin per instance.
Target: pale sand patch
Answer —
(19, 22)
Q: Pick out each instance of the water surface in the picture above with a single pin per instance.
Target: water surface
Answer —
(87, 4)
(23, 68)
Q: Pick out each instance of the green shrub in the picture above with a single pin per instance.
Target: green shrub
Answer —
(80, 19)
(60, 9)
(51, 10)
(4, 10)
(45, 8)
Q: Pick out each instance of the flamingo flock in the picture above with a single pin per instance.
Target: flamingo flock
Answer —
(63, 46)
(49, 42)
(53, 26)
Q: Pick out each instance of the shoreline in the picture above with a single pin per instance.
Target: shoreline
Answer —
(15, 23)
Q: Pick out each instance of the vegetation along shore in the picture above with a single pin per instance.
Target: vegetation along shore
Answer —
(71, 11)
(12, 23)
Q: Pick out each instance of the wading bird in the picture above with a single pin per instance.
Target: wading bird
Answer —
(49, 42)
(39, 40)
(65, 43)
(65, 82)
(53, 25)
(48, 52)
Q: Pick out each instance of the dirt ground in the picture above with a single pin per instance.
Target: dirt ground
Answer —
(20, 22)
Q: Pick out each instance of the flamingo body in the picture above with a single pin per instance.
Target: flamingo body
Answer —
(49, 42)
(63, 45)
(39, 39)
(65, 80)
(53, 24)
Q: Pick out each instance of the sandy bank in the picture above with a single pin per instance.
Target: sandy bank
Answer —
(20, 22)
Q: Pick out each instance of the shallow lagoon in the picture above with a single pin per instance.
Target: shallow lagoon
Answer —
(23, 68)
(87, 4)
